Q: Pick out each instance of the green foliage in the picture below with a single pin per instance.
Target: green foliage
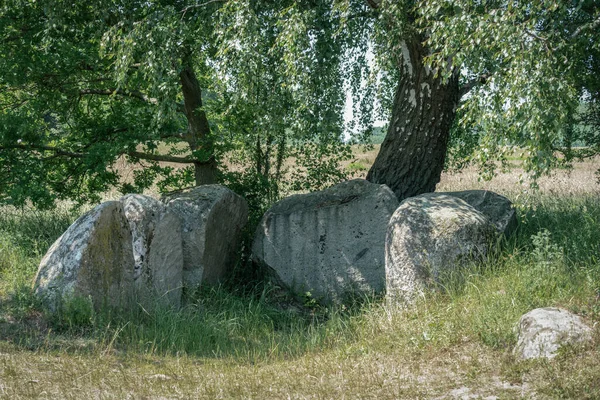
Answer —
(357, 166)
(378, 135)
(546, 254)
(582, 138)
(74, 314)
(572, 225)
(158, 82)
(74, 102)
(88, 83)
(531, 64)
(25, 235)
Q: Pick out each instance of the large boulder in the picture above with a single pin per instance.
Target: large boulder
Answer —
(329, 243)
(92, 259)
(544, 330)
(428, 237)
(157, 250)
(212, 218)
(498, 209)
(118, 254)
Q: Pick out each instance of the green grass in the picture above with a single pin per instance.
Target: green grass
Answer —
(357, 166)
(259, 343)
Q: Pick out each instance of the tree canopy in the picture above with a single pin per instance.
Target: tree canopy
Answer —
(181, 82)
(528, 66)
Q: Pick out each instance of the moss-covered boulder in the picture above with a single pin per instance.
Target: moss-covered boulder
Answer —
(119, 254)
(93, 259)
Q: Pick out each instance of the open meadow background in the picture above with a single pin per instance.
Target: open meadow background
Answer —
(251, 340)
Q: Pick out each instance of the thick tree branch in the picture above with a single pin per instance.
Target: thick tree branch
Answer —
(134, 94)
(374, 4)
(591, 26)
(174, 135)
(544, 40)
(199, 135)
(13, 105)
(186, 9)
(365, 14)
(136, 154)
(535, 35)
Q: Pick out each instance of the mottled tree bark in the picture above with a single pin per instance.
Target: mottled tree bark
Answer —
(412, 154)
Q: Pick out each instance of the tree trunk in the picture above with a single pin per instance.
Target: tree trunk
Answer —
(198, 134)
(412, 154)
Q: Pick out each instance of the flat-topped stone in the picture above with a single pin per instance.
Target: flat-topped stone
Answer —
(329, 243)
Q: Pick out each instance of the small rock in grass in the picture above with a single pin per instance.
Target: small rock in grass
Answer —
(544, 330)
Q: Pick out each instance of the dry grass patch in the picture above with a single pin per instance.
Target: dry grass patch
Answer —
(328, 375)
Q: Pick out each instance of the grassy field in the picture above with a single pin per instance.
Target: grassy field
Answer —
(257, 343)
